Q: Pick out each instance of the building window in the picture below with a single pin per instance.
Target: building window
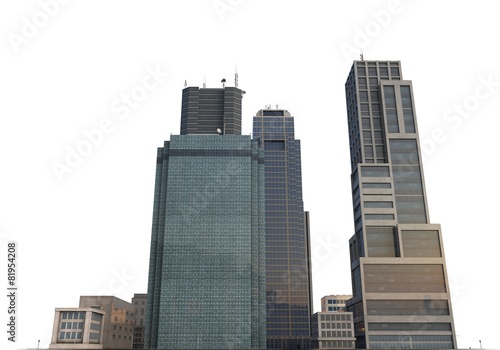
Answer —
(375, 171)
(378, 204)
(379, 216)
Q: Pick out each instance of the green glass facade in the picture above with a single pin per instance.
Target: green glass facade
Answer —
(206, 284)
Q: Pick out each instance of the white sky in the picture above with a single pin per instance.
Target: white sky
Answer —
(63, 71)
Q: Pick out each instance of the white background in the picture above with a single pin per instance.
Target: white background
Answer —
(63, 68)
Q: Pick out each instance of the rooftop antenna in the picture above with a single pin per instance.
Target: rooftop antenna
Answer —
(236, 77)
(223, 81)
(361, 55)
(185, 84)
(204, 82)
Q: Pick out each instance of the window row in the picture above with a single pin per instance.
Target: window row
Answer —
(72, 325)
(337, 344)
(335, 325)
(119, 337)
(72, 315)
(336, 334)
(336, 317)
(70, 335)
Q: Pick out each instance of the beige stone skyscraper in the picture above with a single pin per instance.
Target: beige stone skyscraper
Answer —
(401, 296)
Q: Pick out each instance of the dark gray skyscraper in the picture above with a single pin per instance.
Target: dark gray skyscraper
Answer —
(206, 287)
(206, 110)
(288, 273)
(401, 296)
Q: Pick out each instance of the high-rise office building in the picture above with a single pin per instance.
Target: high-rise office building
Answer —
(206, 285)
(288, 272)
(401, 295)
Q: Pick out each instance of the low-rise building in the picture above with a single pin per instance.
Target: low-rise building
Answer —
(118, 320)
(332, 303)
(77, 328)
(332, 330)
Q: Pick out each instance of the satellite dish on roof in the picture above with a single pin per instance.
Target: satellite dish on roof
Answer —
(219, 131)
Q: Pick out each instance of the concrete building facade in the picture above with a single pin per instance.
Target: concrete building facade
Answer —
(332, 330)
(333, 303)
(118, 323)
(77, 328)
(401, 296)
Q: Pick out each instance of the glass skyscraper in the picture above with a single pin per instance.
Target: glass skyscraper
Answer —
(206, 286)
(401, 296)
(288, 272)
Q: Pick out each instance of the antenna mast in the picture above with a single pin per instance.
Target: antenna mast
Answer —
(236, 77)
